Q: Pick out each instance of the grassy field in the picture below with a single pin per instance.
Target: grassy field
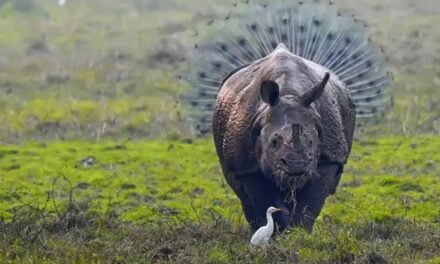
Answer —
(98, 164)
(167, 201)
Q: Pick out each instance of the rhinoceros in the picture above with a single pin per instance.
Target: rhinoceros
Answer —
(283, 129)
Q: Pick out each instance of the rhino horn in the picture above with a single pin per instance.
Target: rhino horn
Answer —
(313, 94)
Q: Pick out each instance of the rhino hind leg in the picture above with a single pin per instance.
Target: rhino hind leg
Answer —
(260, 194)
(311, 198)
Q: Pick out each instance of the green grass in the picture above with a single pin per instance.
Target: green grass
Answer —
(140, 180)
(386, 206)
(126, 184)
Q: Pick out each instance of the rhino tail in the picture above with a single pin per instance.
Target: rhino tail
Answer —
(314, 30)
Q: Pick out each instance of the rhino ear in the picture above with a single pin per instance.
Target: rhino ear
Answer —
(270, 92)
(315, 93)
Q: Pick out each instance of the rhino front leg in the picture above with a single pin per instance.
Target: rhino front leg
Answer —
(260, 194)
(311, 198)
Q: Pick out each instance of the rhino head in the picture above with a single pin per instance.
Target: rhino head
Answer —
(289, 132)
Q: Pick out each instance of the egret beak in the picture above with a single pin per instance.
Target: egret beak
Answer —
(278, 210)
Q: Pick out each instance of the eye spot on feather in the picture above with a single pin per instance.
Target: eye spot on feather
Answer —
(284, 37)
(369, 63)
(349, 82)
(361, 75)
(271, 30)
(355, 56)
(254, 27)
(274, 44)
(285, 21)
(302, 28)
(224, 47)
(194, 103)
(372, 83)
(202, 94)
(348, 40)
(317, 23)
(242, 42)
(202, 75)
(330, 36)
(217, 65)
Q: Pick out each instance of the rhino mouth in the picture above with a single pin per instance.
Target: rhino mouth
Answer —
(288, 180)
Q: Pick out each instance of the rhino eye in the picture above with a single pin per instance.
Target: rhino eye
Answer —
(275, 142)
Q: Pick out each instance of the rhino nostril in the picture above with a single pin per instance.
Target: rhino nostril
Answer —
(284, 162)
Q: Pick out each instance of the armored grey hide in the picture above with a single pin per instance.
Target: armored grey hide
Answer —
(241, 115)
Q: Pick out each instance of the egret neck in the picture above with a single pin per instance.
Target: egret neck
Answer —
(269, 221)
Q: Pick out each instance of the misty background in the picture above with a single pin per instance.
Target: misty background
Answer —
(108, 68)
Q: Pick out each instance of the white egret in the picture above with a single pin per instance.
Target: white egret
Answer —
(61, 2)
(263, 234)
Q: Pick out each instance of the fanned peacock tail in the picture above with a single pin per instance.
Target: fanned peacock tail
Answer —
(313, 30)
